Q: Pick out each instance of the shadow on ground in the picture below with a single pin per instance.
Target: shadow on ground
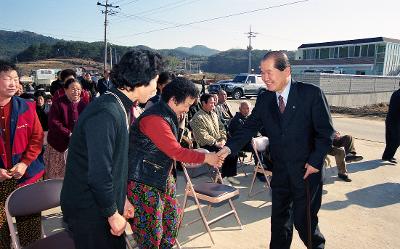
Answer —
(376, 196)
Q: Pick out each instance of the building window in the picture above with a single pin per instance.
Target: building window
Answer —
(324, 53)
(379, 68)
(343, 52)
(351, 51)
(357, 51)
(316, 54)
(331, 52)
(371, 50)
(381, 48)
(358, 72)
(364, 50)
(336, 55)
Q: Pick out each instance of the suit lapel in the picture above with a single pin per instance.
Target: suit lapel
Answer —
(291, 105)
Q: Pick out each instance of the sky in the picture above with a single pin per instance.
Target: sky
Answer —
(218, 24)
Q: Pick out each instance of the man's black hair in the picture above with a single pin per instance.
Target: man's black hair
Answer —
(67, 73)
(6, 66)
(180, 88)
(163, 78)
(280, 58)
(205, 97)
(136, 68)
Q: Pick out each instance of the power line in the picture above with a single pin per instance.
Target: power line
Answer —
(133, 1)
(163, 7)
(214, 18)
(155, 10)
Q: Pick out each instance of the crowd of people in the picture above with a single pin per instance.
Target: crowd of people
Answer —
(116, 143)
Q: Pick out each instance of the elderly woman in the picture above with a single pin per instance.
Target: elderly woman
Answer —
(152, 150)
(62, 118)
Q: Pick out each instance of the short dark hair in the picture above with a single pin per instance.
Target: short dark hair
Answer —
(280, 58)
(70, 81)
(136, 68)
(163, 78)
(67, 73)
(205, 97)
(180, 88)
(6, 66)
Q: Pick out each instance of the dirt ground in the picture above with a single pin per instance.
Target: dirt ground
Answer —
(377, 111)
(27, 67)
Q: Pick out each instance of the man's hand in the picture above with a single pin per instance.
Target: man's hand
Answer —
(220, 144)
(337, 135)
(117, 223)
(309, 170)
(224, 152)
(18, 170)
(213, 159)
(4, 175)
(129, 210)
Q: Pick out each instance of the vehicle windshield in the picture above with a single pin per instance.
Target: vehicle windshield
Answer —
(240, 79)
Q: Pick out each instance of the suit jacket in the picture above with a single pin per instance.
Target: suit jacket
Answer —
(393, 115)
(302, 134)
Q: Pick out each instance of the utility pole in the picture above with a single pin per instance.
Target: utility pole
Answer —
(115, 55)
(111, 58)
(250, 35)
(106, 12)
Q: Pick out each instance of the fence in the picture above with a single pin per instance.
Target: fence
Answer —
(346, 83)
(352, 90)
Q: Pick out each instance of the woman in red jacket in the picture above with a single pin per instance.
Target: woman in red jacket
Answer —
(63, 116)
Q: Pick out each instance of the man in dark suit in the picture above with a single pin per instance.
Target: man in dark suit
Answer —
(105, 83)
(295, 117)
(392, 128)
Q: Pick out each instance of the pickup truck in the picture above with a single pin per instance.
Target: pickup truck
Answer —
(243, 85)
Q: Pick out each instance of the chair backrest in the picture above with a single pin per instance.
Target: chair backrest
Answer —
(34, 198)
(259, 145)
(31, 199)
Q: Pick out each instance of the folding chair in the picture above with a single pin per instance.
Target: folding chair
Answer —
(32, 199)
(260, 145)
(242, 155)
(212, 194)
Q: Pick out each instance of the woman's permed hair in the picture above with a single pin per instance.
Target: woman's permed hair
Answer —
(180, 88)
(136, 68)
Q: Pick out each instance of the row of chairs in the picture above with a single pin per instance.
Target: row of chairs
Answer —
(45, 195)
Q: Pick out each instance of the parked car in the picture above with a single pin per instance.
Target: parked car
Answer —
(243, 85)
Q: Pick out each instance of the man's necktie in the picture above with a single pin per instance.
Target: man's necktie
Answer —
(281, 104)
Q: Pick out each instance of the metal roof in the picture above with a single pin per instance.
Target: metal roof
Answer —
(349, 42)
(336, 61)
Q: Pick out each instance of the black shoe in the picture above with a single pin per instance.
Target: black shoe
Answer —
(391, 160)
(353, 158)
(261, 178)
(344, 177)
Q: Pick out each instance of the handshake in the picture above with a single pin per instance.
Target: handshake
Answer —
(216, 159)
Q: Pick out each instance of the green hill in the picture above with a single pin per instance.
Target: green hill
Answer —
(198, 50)
(12, 43)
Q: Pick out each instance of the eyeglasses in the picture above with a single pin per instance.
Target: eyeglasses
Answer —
(76, 90)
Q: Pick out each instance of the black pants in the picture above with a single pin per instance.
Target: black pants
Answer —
(94, 234)
(392, 141)
(289, 208)
(229, 167)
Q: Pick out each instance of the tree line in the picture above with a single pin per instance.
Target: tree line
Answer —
(231, 62)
